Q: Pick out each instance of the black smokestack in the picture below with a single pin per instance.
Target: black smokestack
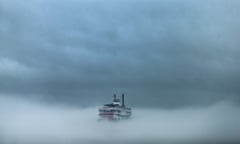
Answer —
(123, 100)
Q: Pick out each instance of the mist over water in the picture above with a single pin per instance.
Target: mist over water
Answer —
(25, 121)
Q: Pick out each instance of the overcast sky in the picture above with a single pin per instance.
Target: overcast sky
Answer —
(160, 53)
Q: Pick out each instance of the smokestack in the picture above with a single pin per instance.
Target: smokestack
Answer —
(123, 100)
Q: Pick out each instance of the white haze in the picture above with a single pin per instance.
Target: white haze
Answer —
(26, 121)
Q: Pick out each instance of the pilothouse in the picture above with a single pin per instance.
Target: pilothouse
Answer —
(115, 110)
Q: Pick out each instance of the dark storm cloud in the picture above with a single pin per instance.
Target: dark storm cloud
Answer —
(173, 53)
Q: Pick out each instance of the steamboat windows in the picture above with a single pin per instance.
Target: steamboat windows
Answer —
(110, 110)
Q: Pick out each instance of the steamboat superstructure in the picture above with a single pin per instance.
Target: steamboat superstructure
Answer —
(115, 110)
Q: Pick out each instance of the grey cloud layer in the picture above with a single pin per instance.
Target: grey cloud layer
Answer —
(174, 53)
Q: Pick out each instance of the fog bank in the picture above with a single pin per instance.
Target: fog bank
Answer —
(25, 121)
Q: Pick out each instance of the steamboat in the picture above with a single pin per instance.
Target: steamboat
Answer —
(115, 111)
